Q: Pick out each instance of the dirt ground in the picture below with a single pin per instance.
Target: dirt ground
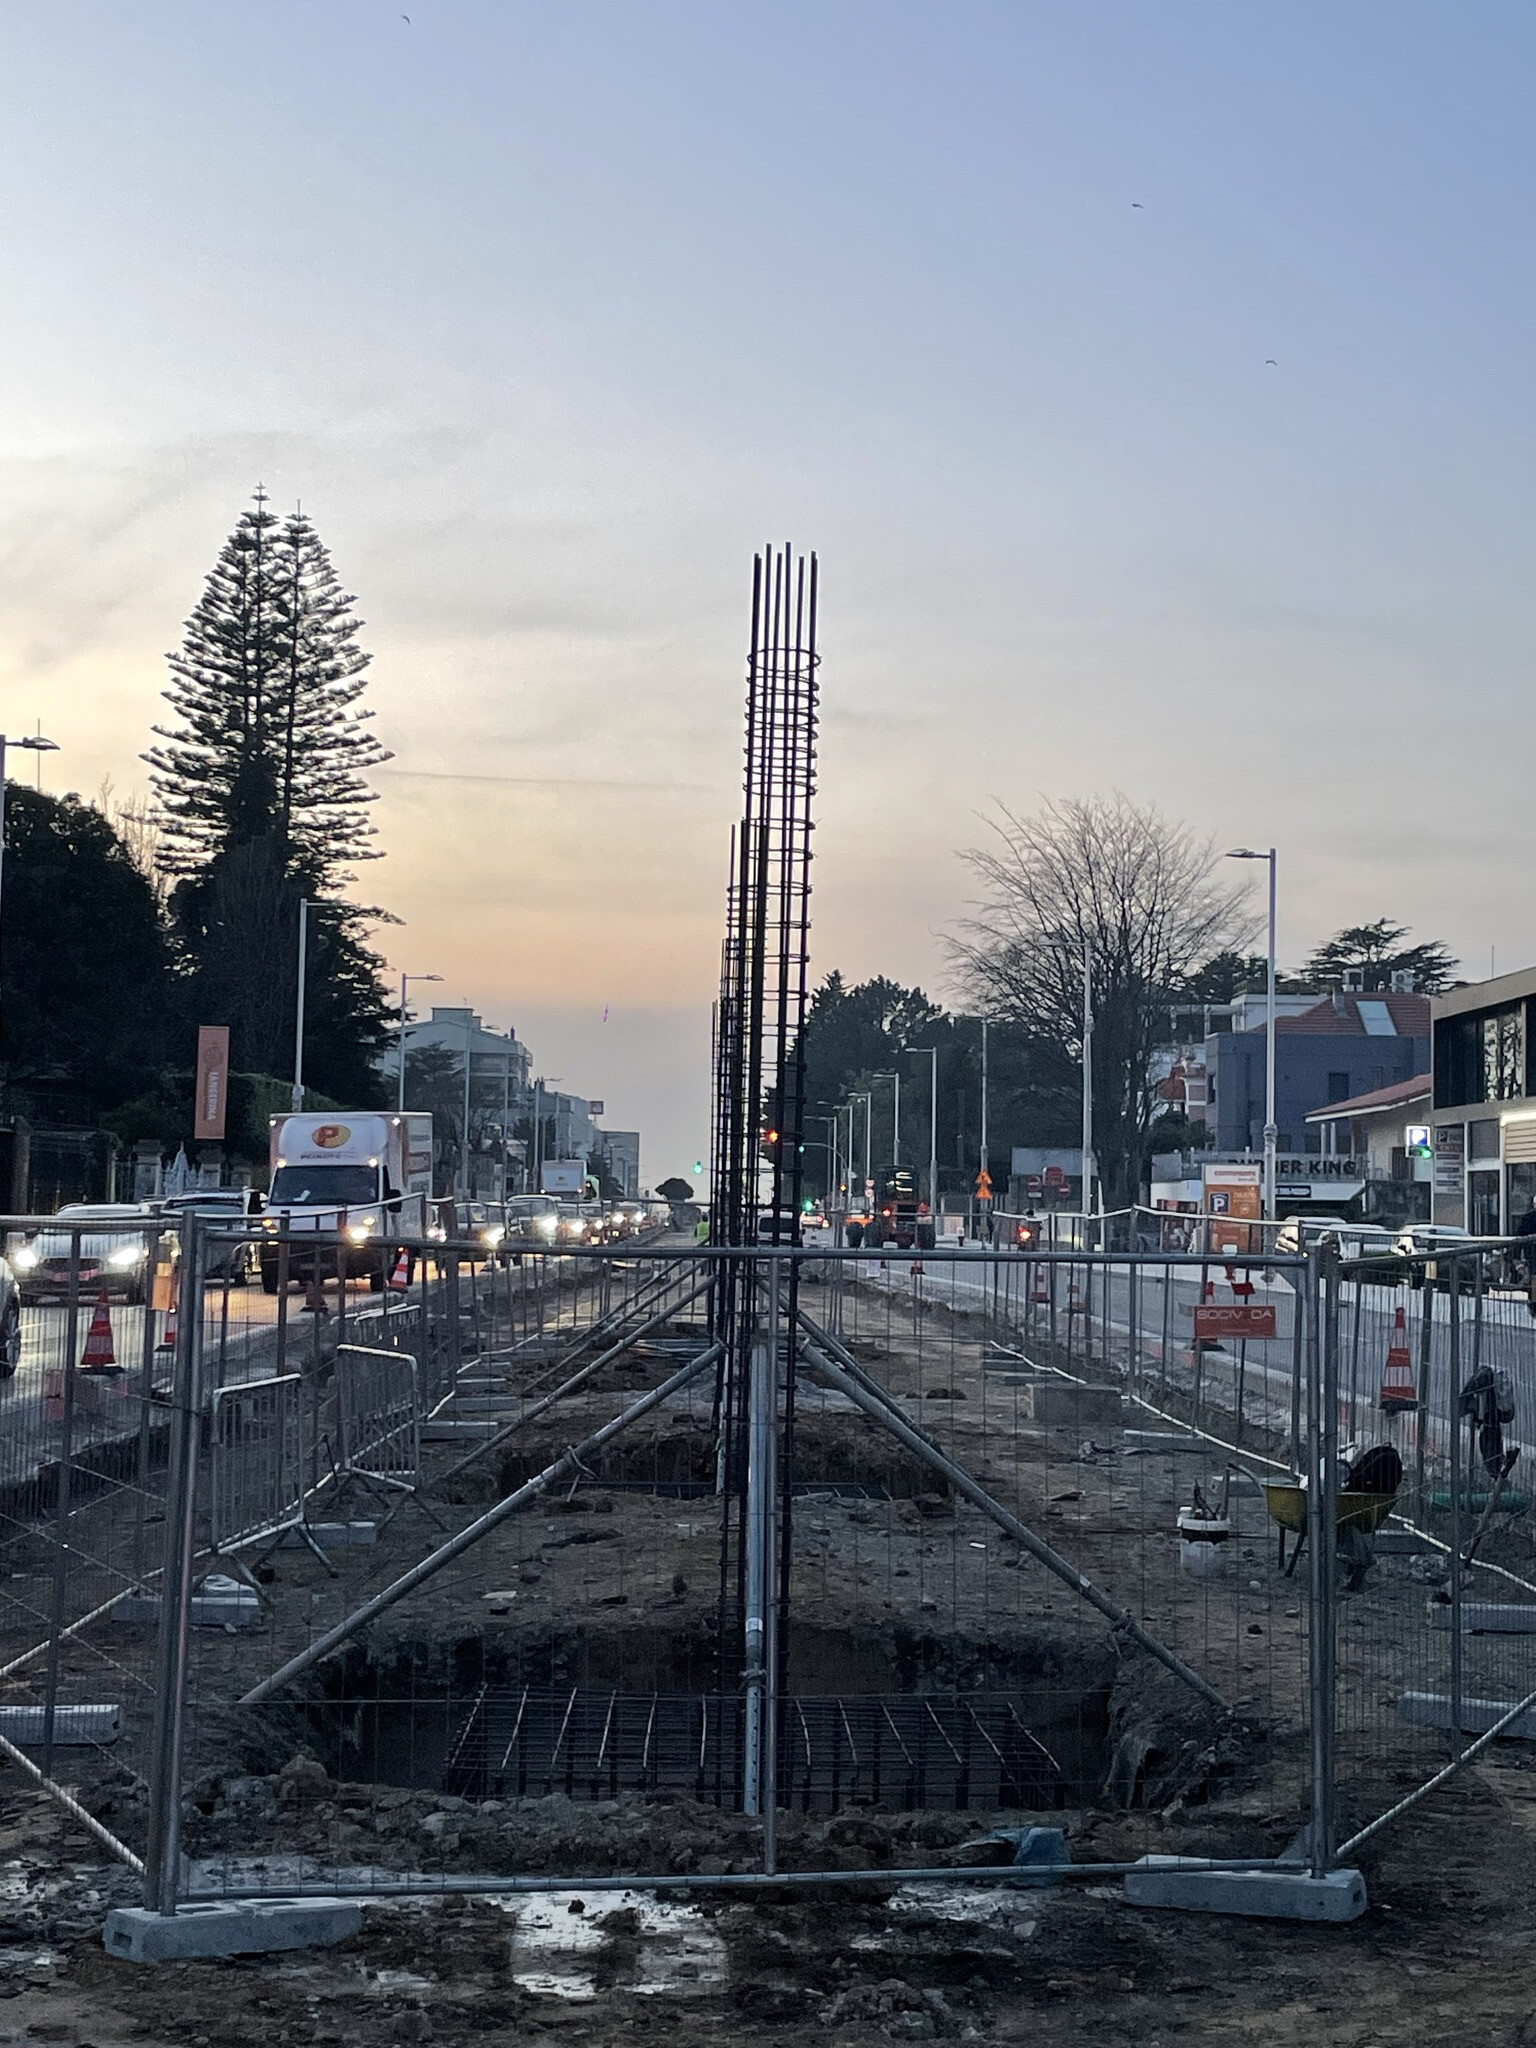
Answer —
(614, 1582)
(1442, 1956)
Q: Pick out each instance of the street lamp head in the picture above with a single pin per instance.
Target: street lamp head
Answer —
(36, 744)
(1246, 853)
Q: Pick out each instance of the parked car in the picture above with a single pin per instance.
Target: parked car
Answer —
(115, 1245)
(238, 1263)
(1418, 1245)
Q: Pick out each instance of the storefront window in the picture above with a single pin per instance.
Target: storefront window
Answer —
(1504, 1055)
(1521, 1191)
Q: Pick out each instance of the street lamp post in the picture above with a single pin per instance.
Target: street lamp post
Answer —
(34, 743)
(1271, 1129)
(895, 1080)
(866, 1096)
(405, 982)
(933, 1128)
(306, 905)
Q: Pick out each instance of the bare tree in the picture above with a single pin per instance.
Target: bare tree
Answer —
(1139, 890)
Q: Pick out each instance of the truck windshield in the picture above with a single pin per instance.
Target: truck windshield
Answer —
(330, 1184)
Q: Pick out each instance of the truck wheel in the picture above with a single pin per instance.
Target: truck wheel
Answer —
(268, 1277)
(376, 1278)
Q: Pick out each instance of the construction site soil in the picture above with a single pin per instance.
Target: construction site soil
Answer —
(613, 1582)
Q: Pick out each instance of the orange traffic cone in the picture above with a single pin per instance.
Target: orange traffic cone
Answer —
(400, 1279)
(1399, 1395)
(98, 1355)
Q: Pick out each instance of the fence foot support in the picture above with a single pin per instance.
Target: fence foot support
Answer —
(236, 1929)
(1253, 1894)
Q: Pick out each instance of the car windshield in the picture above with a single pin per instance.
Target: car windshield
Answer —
(332, 1184)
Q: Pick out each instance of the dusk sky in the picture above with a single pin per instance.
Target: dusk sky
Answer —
(550, 315)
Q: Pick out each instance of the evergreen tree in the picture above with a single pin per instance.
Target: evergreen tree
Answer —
(263, 801)
(266, 684)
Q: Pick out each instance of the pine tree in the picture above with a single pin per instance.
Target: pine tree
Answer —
(214, 774)
(323, 742)
(263, 800)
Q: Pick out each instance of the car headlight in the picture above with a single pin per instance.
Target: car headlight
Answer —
(126, 1257)
(359, 1233)
(492, 1234)
(545, 1225)
(24, 1259)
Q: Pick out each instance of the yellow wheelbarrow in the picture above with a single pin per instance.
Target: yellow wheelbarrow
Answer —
(1286, 1500)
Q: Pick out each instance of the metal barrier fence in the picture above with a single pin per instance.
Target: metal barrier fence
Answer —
(255, 1462)
(379, 1408)
(533, 1569)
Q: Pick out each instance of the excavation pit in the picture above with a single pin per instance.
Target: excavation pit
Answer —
(901, 1721)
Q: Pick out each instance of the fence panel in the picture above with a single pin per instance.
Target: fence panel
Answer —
(256, 1477)
(379, 1407)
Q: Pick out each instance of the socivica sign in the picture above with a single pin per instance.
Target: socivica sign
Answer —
(1234, 1319)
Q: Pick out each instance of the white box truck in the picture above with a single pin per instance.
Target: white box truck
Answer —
(366, 1174)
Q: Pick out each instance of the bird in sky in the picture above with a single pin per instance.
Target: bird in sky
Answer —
(406, 19)
(1137, 207)
(1270, 363)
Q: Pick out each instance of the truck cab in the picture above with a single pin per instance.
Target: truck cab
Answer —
(366, 1176)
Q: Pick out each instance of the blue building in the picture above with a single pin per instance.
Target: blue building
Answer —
(1343, 1046)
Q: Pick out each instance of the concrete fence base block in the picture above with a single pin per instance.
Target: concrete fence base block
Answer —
(1067, 1403)
(1486, 1617)
(72, 1725)
(236, 1929)
(1254, 1894)
(1433, 1710)
(1148, 1442)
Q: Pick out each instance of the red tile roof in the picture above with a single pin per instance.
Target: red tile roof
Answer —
(1400, 1093)
(1410, 1014)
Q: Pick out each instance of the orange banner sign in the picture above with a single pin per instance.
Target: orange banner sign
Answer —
(212, 1080)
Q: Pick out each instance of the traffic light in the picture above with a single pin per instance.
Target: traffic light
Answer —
(1026, 1235)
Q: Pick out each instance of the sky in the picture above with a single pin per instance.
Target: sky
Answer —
(1153, 382)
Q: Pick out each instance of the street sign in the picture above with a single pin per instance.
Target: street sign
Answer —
(595, 1108)
(983, 1186)
(1055, 1179)
(1234, 1319)
(1034, 1183)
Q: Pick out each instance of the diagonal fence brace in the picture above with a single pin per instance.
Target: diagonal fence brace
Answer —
(577, 1379)
(857, 1387)
(571, 1461)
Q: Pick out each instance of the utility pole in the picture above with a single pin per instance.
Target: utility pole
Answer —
(469, 1060)
(933, 1127)
(1271, 1129)
(405, 982)
(1089, 1163)
(984, 1110)
(298, 1017)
